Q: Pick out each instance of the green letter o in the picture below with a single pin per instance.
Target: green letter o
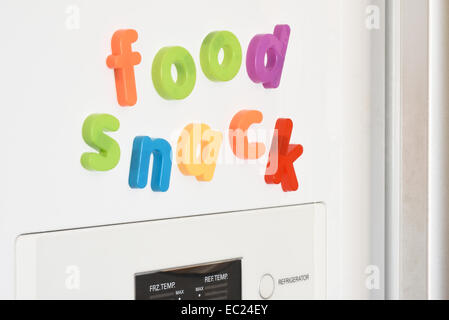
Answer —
(232, 61)
(161, 73)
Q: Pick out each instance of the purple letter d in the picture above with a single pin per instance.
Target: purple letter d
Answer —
(274, 47)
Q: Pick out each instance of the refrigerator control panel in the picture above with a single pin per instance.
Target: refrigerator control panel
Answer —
(277, 253)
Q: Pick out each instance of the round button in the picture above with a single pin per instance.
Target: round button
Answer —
(266, 287)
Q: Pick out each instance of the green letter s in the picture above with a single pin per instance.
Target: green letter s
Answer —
(108, 155)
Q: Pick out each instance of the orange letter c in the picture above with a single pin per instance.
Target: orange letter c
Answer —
(238, 135)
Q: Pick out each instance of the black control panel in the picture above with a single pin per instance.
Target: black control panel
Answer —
(215, 281)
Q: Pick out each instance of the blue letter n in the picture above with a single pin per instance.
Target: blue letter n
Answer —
(143, 148)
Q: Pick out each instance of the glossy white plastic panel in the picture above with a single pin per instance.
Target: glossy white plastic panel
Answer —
(332, 88)
(100, 263)
(439, 150)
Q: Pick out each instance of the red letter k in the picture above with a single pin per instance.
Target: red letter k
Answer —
(123, 60)
(282, 156)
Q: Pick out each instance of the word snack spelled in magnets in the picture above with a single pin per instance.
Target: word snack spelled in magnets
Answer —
(198, 146)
